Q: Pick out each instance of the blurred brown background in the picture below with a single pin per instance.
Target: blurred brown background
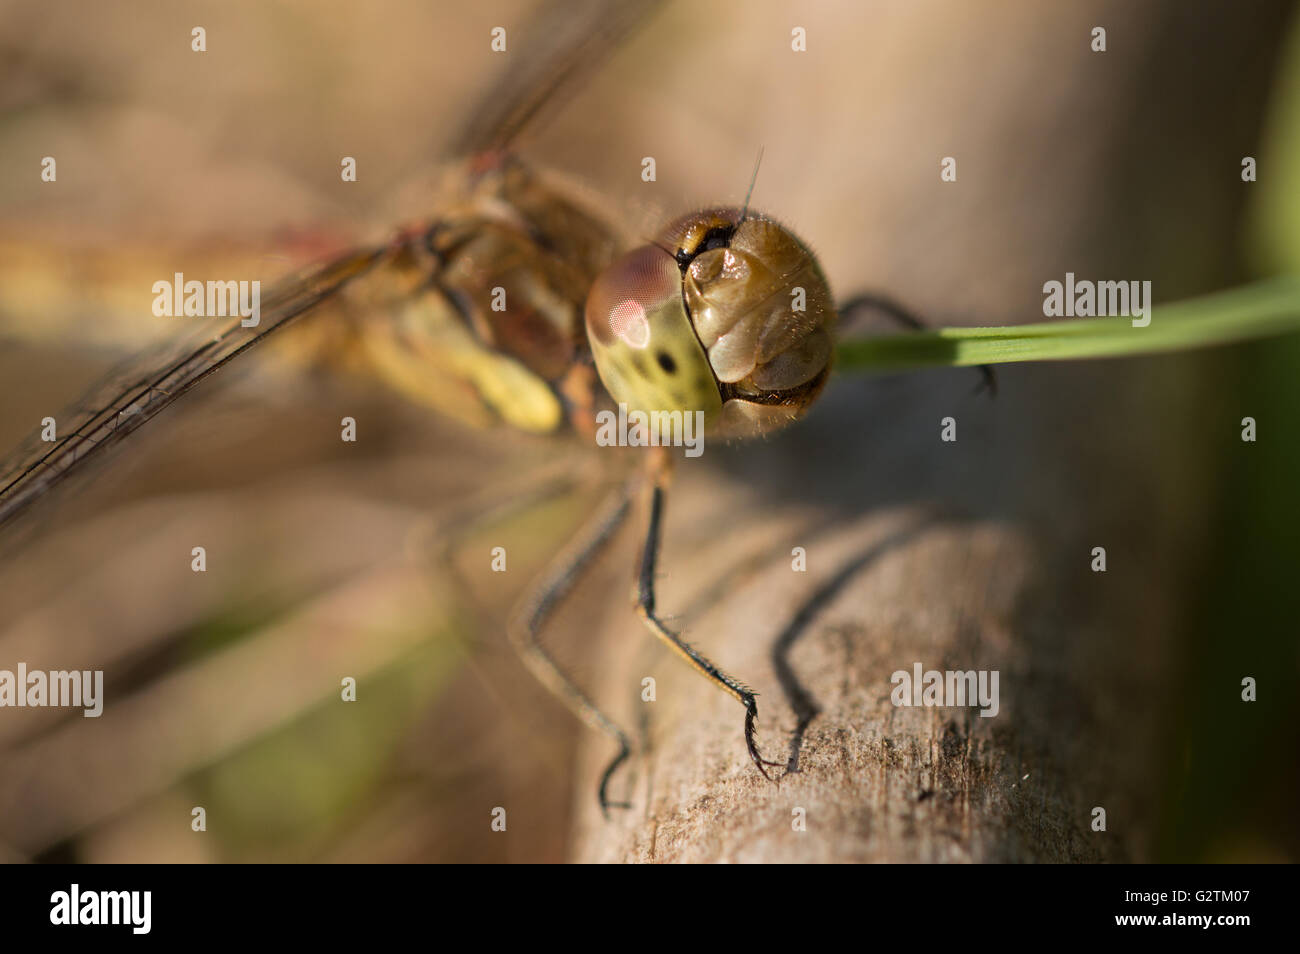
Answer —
(1118, 165)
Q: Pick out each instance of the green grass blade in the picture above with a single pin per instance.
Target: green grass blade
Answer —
(1259, 310)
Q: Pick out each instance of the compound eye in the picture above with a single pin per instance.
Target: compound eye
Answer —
(626, 294)
(644, 345)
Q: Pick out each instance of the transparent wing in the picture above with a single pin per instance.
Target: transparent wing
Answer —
(563, 43)
(129, 397)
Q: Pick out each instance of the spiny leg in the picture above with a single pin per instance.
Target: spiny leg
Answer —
(540, 603)
(645, 605)
(891, 309)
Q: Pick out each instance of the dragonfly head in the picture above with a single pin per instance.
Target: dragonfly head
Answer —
(726, 313)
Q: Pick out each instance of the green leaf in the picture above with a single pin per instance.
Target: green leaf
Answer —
(1258, 310)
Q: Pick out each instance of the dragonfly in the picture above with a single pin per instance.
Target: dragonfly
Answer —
(519, 306)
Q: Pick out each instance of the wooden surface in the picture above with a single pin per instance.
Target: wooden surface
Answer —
(995, 577)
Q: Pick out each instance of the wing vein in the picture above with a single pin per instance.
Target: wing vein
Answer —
(33, 470)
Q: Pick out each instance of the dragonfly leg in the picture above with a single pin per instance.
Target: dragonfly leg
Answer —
(859, 305)
(645, 604)
(535, 610)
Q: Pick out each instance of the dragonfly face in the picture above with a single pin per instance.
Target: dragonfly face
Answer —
(735, 322)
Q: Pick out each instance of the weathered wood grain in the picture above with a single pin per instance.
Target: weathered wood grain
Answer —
(973, 555)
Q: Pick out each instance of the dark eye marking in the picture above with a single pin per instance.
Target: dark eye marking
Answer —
(717, 237)
(666, 362)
